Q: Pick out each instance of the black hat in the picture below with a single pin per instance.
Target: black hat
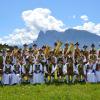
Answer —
(66, 44)
(43, 47)
(34, 45)
(77, 43)
(55, 44)
(81, 51)
(85, 46)
(25, 45)
(92, 45)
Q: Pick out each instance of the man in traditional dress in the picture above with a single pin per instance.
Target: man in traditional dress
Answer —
(81, 71)
(49, 70)
(85, 53)
(77, 53)
(35, 49)
(69, 71)
(93, 55)
(59, 65)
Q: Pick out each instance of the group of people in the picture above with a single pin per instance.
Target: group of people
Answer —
(42, 65)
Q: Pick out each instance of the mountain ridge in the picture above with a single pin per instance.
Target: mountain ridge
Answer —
(69, 35)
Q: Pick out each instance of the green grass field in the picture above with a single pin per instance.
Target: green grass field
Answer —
(51, 92)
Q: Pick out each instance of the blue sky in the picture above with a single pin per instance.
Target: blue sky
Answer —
(68, 11)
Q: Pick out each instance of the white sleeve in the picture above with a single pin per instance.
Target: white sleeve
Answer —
(12, 68)
(65, 68)
(75, 68)
(41, 67)
(4, 68)
(53, 69)
(94, 67)
(45, 70)
(33, 67)
(24, 60)
(4, 60)
(30, 71)
(23, 70)
(56, 60)
(20, 69)
(85, 67)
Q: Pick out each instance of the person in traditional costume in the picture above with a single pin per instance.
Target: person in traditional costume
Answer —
(65, 49)
(59, 66)
(85, 53)
(27, 72)
(9, 56)
(98, 52)
(93, 54)
(90, 72)
(35, 49)
(3, 57)
(93, 50)
(31, 57)
(25, 47)
(7, 71)
(1, 68)
(53, 57)
(42, 59)
(68, 71)
(16, 73)
(38, 73)
(49, 70)
(98, 70)
(77, 52)
(81, 71)
(15, 55)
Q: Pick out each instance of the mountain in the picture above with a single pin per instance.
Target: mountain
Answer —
(70, 35)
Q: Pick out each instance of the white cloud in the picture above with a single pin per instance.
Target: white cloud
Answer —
(84, 17)
(35, 20)
(41, 19)
(89, 26)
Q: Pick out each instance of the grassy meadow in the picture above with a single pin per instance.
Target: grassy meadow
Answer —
(51, 92)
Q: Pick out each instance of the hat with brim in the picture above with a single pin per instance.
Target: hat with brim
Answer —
(85, 46)
(77, 43)
(92, 45)
(66, 44)
(55, 44)
(43, 47)
(25, 45)
(34, 45)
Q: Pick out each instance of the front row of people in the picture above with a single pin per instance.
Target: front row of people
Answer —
(49, 72)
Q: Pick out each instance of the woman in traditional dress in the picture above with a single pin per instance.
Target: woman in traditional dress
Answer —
(16, 74)
(98, 70)
(91, 76)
